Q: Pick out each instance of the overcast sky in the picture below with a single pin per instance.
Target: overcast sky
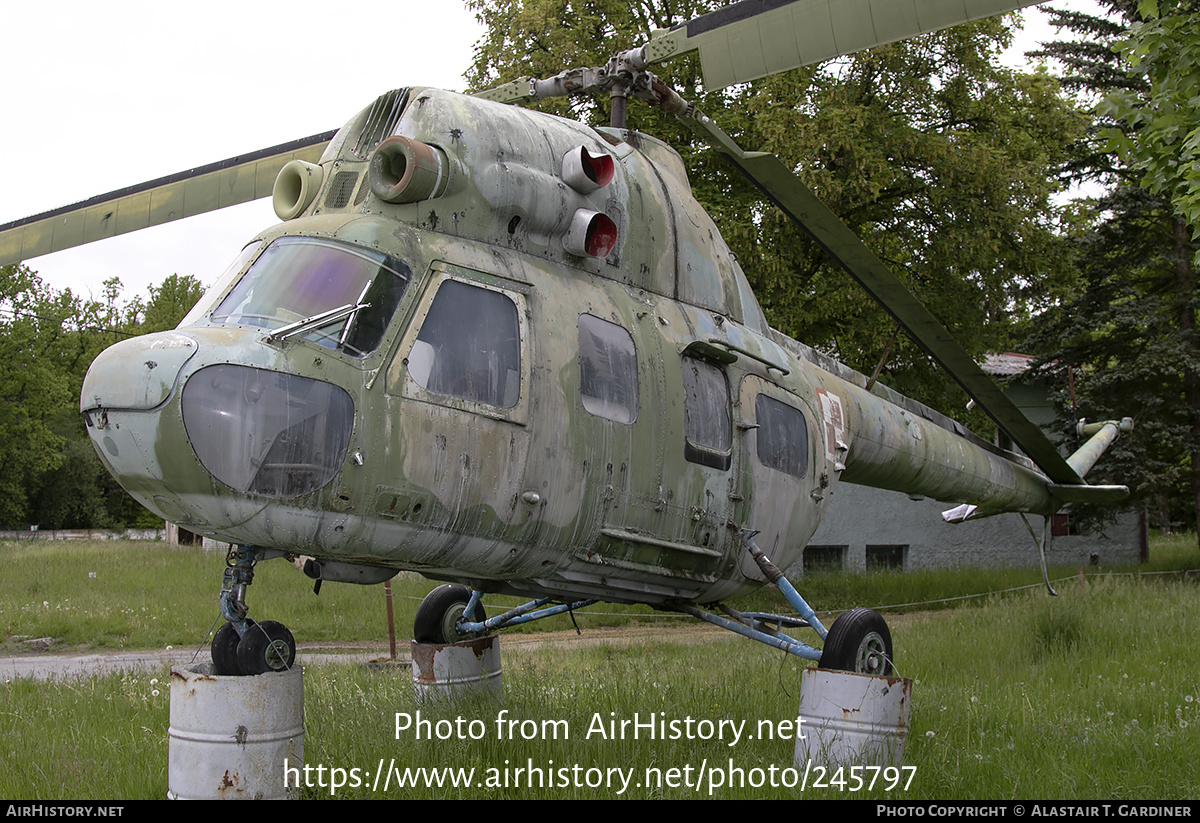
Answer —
(99, 96)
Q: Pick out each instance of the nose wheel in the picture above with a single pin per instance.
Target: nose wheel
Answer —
(224, 649)
(265, 647)
(242, 646)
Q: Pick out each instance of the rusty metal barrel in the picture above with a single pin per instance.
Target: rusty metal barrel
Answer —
(850, 719)
(235, 738)
(444, 672)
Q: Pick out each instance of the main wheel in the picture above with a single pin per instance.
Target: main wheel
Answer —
(858, 641)
(267, 647)
(438, 613)
(224, 650)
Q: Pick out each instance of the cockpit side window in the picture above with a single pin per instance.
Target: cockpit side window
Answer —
(204, 304)
(469, 346)
(296, 280)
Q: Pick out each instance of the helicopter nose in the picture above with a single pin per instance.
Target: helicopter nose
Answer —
(169, 415)
(124, 395)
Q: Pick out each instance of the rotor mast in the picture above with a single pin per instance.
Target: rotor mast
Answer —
(623, 76)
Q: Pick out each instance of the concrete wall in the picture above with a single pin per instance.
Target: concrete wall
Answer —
(860, 517)
(83, 534)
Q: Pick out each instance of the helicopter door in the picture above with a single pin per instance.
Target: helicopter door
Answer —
(777, 473)
(663, 524)
(458, 424)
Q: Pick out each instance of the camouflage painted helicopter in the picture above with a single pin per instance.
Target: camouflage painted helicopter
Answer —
(511, 351)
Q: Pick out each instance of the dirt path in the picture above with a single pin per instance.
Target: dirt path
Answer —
(89, 664)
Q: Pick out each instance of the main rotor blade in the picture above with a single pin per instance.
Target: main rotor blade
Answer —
(186, 194)
(756, 38)
(796, 200)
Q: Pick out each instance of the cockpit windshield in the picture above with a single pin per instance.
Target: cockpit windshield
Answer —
(334, 294)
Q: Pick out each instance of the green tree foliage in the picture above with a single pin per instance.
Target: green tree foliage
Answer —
(1130, 335)
(44, 350)
(48, 339)
(1161, 134)
(169, 302)
(1122, 340)
(941, 159)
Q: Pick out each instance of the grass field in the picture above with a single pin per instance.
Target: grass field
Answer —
(1090, 695)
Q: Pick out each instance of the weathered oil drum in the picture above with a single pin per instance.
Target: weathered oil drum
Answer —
(233, 738)
(851, 719)
(444, 672)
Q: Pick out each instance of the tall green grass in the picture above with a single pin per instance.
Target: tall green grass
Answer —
(140, 595)
(1090, 695)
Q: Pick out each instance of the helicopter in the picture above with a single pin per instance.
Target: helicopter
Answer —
(512, 352)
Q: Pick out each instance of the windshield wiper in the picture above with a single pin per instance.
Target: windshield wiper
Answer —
(316, 321)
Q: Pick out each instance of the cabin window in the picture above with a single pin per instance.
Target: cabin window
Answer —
(336, 295)
(706, 415)
(782, 436)
(608, 376)
(469, 346)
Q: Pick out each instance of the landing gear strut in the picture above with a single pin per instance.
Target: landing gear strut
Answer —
(242, 646)
(858, 641)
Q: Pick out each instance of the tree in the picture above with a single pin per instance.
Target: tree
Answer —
(169, 302)
(939, 158)
(48, 340)
(1130, 335)
(1122, 340)
(945, 163)
(45, 347)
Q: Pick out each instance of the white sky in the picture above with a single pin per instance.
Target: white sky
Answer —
(99, 96)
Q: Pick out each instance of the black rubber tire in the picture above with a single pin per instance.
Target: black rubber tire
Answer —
(858, 641)
(438, 613)
(267, 647)
(224, 650)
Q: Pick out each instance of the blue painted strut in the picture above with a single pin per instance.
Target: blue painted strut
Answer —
(757, 632)
(776, 576)
(525, 613)
(750, 624)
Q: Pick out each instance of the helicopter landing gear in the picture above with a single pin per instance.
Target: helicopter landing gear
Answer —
(858, 641)
(439, 613)
(243, 646)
